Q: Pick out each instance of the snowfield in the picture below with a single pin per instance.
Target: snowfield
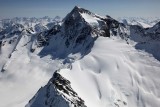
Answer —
(116, 73)
(113, 73)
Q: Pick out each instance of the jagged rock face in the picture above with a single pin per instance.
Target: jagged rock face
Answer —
(44, 37)
(137, 29)
(75, 22)
(154, 32)
(63, 86)
(48, 96)
(75, 27)
(147, 38)
(57, 93)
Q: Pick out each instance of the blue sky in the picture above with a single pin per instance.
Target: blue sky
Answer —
(114, 8)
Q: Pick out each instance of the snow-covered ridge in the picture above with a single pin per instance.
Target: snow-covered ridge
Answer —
(58, 93)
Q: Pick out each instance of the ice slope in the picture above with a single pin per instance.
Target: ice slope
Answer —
(115, 74)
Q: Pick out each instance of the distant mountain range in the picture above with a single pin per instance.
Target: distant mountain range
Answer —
(28, 22)
(143, 22)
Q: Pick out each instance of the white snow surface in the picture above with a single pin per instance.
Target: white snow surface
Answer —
(90, 19)
(115, 73)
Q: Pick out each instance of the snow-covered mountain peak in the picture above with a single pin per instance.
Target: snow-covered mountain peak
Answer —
(74, 14)
(76, 8)
(81, 10)
(96, 61)
(83, 15)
